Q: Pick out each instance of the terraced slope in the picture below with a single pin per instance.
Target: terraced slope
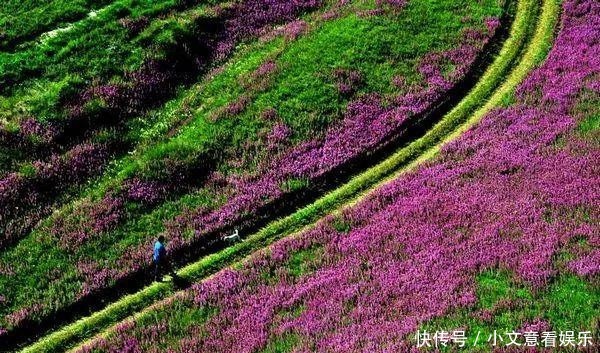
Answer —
(62, 114)
(186, 173)
(332, 287)
(451, 122)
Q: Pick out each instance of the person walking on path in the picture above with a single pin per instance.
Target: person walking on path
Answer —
(159, 257)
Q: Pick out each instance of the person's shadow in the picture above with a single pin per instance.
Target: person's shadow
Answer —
(180, 282)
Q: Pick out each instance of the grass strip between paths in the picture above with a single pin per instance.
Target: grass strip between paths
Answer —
(497, 83)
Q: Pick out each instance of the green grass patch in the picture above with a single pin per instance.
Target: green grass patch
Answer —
(21, 20)
(304, 262)
(294, 184)
(341, 225)
(588, 108)
(281, 344)
(589, 124)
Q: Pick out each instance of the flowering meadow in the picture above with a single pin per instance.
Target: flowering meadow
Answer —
(92, 119)
(499, 231)
(290, 95)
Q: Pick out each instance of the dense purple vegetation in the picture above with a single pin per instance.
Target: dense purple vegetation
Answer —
(25, 199)
(501, 196)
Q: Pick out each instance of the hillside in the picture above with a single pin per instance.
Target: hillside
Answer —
(392, 166)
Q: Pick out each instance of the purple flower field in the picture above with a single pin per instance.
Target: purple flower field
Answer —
(328, 175)
(518, 193)
(75, 225)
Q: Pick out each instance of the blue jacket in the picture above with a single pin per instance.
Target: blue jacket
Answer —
(159, 251)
